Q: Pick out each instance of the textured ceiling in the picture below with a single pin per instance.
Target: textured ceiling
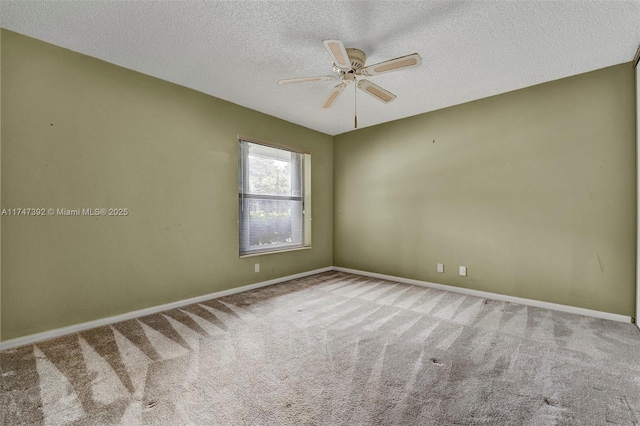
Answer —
(238, 50)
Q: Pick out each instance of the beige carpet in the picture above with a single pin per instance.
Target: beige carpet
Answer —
(332, 349)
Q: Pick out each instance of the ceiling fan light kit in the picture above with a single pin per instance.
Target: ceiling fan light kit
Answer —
(349, 64)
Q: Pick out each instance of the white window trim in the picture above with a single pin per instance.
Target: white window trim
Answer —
(306, 199)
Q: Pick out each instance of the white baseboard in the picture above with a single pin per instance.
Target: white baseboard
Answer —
(46, 335)
(50, 334)
(495, 296)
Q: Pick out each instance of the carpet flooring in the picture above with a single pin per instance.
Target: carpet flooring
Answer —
(332, 349)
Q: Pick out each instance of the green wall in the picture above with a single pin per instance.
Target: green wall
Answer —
(534, 191)
(81, 133)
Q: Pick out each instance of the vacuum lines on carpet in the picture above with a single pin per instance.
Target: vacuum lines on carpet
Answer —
(332, 349)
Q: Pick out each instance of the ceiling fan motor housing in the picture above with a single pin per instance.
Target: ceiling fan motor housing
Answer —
(357, 58)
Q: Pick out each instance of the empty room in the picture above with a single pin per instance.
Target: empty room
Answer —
(319, 212)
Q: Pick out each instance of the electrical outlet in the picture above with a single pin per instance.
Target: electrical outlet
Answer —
(441, 267)
(257, 267)
(463, 271)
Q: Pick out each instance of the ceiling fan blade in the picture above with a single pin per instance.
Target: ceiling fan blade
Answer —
(306, 79)
(331, 99)
(401, 63)
(338, 53)
(376, 91)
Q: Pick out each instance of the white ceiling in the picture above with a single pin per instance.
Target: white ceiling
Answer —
(238, 50)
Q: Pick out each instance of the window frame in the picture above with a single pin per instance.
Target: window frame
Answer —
(243, 194)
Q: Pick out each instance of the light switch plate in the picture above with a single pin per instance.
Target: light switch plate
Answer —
(463, 271)
(440, 267)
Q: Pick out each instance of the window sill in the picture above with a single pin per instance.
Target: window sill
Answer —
(262, 253)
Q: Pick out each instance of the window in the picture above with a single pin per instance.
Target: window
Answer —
(274, 198)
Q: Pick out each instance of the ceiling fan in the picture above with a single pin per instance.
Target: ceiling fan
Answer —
(349, 64)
